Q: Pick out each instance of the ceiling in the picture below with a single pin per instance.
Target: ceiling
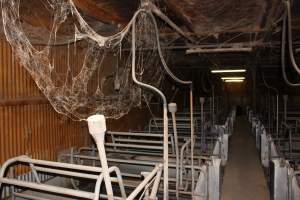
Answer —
(212, 23)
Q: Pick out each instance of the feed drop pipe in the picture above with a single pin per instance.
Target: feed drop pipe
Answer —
(290, 38)
(277, 115)
(173, 110)
(287, 16)
(213, 105)
(165, 117)
(190, 83)
(97, 128)
(165, 113)
(285, 99)
(202, 124)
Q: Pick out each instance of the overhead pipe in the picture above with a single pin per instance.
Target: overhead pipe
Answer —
(165, 113)
(290, 36)
(176, 79)
(283, 41)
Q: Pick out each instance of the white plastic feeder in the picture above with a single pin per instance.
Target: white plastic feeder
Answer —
(97, 128)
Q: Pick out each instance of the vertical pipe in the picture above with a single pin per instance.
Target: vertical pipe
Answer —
(269, 111)
(192, 137)
(97, 128)
(213, 105)
(172, 110)
(202, 122)
(277, 120)
(285, 98)
(165, 109)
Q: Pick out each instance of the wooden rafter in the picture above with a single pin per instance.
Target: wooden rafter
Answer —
(100, 10)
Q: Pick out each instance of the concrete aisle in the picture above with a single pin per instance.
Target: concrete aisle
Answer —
(244, 178)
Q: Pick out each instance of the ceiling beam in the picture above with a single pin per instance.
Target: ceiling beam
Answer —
(100, 11)
(172, 6)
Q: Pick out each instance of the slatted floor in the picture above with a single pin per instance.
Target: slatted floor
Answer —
(244, 178)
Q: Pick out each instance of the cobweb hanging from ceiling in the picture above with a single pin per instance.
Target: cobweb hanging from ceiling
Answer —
(93, 75)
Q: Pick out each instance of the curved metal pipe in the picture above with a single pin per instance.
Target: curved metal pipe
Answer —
(290, 36)
(176, 79)
(283, 41)
(165, 113)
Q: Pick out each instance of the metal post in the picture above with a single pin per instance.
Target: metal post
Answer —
(202, 122)
(192, 137)
(269, 111)
(277, 115)
(172, 110)
(165, 109)
(97, 128)
(213, 105)
(285, 99)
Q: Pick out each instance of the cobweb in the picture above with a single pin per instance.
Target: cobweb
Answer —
(93, 75)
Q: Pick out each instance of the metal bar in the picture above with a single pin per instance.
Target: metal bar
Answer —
(156, 185)
(173, 109)
(135, 146)
(135, 134)
(48, 188)
(138, 189)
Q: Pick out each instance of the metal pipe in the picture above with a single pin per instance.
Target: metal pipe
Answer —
(192, 137)
(290, 36)
(135, 146)
(181, 159)
(165, 112)
(269, 111)
(277, 115)
(49, 188)
(285, 99)
(97, 128)
(26, 159)
(172, 110)
(169, 72)
(119, 180)
(142, 185)
(134, 134)
(202, 123)
(155, 186)
(213, 105)
(283, 44)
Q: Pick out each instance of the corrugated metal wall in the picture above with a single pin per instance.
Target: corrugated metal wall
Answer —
(28, 123)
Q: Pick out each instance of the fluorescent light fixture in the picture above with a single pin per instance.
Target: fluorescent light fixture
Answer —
(234, 81)
(227, 71)
(233, 78)
(219, 50)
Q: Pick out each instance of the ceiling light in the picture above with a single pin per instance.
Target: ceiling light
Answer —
(219, 50)
(233, 78)
(227, 71)
(234, 81)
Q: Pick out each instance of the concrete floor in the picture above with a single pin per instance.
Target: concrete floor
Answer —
(244, 178)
